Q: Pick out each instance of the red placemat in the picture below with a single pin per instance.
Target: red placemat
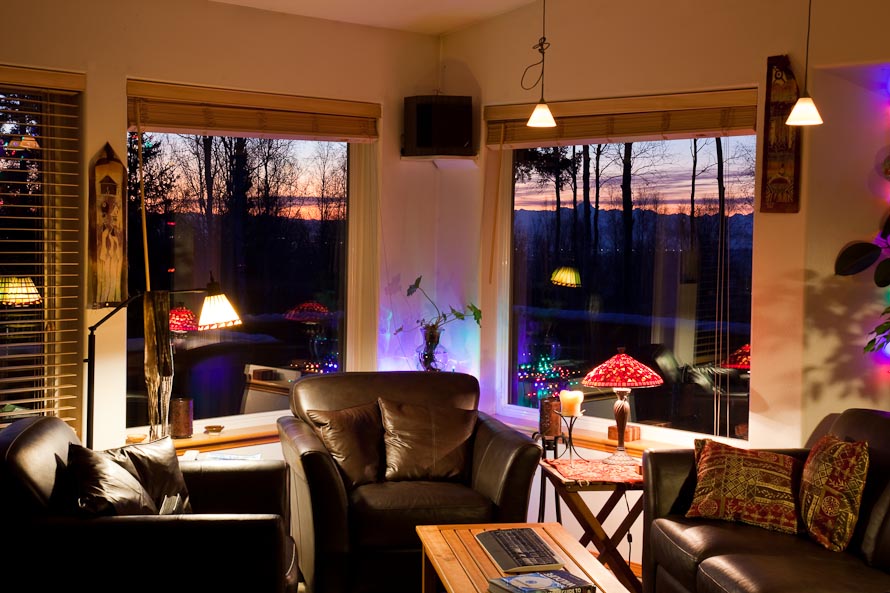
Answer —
(594, 470)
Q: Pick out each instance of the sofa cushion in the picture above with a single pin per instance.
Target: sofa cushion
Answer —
(385, 514)
(751, 486)
(426, 442)
(778, 569)
(156, 466)
(102, 487)
(354, 436)
(831, 489)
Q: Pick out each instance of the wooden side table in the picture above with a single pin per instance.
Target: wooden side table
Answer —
(570, 478)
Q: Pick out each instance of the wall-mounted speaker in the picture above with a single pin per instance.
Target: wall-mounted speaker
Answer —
(438, 125)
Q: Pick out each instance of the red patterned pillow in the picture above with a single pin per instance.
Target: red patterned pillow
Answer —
(831, 490)
(749, 486)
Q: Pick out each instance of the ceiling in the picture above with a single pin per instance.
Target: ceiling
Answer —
(430, 17)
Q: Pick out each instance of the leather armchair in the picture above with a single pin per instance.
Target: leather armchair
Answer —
(234, 538)
(363, 538)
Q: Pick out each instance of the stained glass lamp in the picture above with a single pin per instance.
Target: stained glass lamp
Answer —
(740, 359)
(622, 373)
(18, 291)
(566, 276)
(308, 312)
(183, 320)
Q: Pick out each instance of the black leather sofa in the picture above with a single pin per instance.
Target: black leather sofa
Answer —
(693, 555)
(354, 538)
(234, 539)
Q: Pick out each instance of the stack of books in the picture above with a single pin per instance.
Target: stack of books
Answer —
(547, 581)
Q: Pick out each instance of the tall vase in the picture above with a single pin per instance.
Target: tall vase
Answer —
(158, 361)
(431, 356)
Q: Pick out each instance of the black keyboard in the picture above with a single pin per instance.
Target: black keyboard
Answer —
(518, 549)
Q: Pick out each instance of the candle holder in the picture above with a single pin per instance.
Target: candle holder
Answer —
(570, 445)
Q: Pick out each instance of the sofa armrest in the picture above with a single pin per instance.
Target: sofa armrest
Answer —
(233, 486)
(223, 552)
(504, 465)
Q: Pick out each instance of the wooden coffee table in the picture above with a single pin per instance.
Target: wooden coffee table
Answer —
(452, 556)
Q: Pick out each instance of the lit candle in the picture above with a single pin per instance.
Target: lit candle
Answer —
(570, 401)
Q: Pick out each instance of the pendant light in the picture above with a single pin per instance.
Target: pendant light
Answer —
(541, 116)
(804, 112)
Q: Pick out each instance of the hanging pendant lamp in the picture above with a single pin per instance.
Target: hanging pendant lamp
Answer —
(541, 116)
(804, 112)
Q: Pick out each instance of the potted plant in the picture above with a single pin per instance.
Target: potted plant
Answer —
(431, 327)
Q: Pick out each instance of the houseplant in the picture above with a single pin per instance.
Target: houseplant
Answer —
(431, 327)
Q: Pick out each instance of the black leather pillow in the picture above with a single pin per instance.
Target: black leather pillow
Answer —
(102, 487)
(156, 466)
(426, 442)
(354, 436)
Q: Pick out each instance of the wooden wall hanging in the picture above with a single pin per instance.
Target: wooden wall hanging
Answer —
(780, 178)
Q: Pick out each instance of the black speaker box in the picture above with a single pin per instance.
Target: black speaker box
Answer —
(438, 125)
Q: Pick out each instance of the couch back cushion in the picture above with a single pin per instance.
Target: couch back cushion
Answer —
(33, 456)
(354, 436)
(871, 537)
(335, 391)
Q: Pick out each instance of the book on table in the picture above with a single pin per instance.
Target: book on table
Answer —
(547, 581)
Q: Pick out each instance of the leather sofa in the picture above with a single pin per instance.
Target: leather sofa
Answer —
(234, 537)
(363, 537)
(695, 555)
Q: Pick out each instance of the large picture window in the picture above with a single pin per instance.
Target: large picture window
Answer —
(642, 245)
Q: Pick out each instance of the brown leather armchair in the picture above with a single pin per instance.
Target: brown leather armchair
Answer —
(358, 535)
(233, 539)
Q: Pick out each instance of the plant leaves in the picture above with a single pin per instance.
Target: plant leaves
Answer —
(856, 257)
(882, 273)
(885, 231)
(413, 288)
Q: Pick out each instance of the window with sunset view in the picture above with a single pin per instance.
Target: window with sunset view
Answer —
(266, 218)
(654, 240)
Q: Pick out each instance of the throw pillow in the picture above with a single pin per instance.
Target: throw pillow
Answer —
(426, 442)
(354, 436)
(749, 486)
(102, 487)
(831, 490)
(156, 466)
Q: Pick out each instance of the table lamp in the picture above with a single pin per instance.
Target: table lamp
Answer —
(740, 359)
(622, 373)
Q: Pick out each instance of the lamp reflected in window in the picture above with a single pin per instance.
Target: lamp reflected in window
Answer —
(18, 291)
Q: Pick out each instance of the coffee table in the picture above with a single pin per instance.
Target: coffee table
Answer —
(453, 557)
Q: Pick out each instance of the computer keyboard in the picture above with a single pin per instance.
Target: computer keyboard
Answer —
(518, 549)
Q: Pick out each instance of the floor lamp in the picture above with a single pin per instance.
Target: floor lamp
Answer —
(216, 313)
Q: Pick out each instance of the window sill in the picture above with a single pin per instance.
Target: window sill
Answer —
(244, 430)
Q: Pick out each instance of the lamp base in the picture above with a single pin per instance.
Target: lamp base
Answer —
(631, 433)
(620, 457)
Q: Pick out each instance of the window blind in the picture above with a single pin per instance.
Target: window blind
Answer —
(40, 226)
(657, 117)
(171, 108)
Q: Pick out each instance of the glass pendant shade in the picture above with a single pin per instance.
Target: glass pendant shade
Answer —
(16, 291)
(541, 117)
(566, 276)
(804, 113)
(217, 311)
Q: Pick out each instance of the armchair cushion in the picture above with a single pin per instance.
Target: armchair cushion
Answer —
(426, 442)
(354, 436)
(831, 490)
(156, 466)
(100, 486)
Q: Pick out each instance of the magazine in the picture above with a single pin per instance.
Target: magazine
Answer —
(548, 581)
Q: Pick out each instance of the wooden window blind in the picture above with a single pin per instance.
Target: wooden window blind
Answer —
(163, 107)
(40, 234)
(657, 117)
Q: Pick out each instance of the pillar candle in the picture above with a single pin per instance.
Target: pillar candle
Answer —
(571, 402)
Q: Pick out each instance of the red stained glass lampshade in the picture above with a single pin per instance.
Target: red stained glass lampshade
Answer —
(740, 359)
(622, 370)
(309, 312)
(183, 320)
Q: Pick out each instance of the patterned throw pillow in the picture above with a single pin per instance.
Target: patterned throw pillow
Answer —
(831, 490)
(749, 486)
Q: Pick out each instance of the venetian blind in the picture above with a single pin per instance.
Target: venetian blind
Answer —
(162, 107)
(657, 117)
(40, 234)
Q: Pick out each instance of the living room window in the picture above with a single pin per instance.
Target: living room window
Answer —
(257, 198)
(650, 252)
(40, 230)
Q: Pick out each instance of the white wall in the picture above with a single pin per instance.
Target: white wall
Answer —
(613, 49)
